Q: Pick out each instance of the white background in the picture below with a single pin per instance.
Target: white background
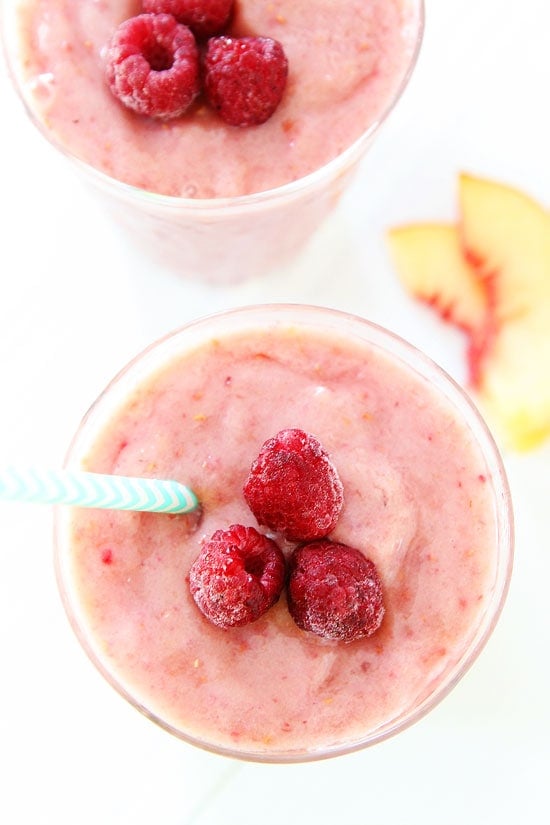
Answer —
(76, 303)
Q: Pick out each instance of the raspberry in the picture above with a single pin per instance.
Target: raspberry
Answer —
(245, 78)
(334, 591)
(293, 487)
(153, 65)
(238, 575)
(204, 17)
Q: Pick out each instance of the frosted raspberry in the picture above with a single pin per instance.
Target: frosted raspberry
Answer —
(245, 78)
(152, 65)
(204, 17)
(293, 487)
(238, 575)
(334, 591)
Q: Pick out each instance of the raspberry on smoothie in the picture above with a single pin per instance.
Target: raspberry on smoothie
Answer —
(204, 17)
(293, 487)
(152, 65)
(334, 591)
(245, 78)
(238, 575)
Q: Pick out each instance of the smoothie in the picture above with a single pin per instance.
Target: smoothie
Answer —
(424, 497)
(207, 199)
(346, 61)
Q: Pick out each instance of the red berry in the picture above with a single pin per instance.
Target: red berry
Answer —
(293, 487)
(153, 65)
(245, 78)
(334, 591)
(238, 575)
(204, 17)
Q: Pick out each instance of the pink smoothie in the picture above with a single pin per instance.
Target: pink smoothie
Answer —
(420, 499)
(207, 200)
(346, 61)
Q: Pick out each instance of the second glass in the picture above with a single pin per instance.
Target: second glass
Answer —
(219, 237)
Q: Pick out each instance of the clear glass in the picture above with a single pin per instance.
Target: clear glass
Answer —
(263, 231)
(348, 328)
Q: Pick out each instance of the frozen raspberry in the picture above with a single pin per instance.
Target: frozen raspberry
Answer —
(152, 65)
(238, 575)
(334, 591)
(245, 78)
(204, 17)
(293, 487)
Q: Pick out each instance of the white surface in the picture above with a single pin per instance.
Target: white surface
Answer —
(76, 303)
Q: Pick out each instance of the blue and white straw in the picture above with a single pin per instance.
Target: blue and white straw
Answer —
(107, 492)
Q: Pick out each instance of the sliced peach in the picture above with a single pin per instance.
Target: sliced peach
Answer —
(430, 262)
(507, 234)
(514, 381)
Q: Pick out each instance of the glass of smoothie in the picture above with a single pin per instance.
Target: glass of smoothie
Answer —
(425, 498)
(213, 201)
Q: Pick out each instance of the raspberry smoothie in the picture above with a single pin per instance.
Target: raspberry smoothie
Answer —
(346, 70)
(424, 497)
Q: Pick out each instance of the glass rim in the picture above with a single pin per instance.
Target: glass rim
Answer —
(393, 345)
(266, 197)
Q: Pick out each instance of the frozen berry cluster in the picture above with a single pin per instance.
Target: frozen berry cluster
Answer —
(159, 62)
(333, 590)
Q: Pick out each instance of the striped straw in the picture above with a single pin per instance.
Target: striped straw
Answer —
(105, 492)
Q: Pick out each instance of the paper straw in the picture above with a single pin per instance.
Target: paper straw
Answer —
(107, 492)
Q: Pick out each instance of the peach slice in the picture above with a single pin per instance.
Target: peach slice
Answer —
(507, 234)
(514, 380)
(431, 264)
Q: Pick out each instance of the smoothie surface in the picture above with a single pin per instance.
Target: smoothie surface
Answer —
(417, 500)
(346, 61)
